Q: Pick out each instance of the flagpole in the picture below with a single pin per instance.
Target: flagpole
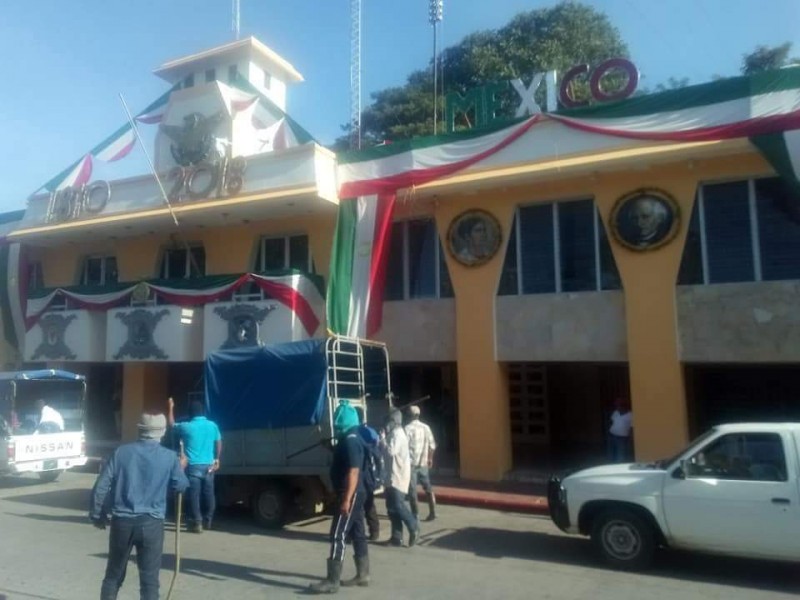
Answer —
(164, 195)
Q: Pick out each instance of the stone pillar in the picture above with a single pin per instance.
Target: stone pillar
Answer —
(649, 278)
(484, 421)
(144, 388)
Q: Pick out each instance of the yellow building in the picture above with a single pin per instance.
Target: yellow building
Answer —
(642, 250)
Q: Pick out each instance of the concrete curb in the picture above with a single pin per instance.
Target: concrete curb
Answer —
(520, 503)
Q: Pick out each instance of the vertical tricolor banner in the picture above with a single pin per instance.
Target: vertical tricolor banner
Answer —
(358, 265)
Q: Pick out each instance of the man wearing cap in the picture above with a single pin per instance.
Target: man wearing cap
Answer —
(133, 487)
(398, 467)
(421, 446)
(348, 521)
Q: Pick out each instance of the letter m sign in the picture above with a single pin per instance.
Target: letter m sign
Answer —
(468, 109)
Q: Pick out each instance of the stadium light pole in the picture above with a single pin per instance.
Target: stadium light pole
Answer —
(435, 13)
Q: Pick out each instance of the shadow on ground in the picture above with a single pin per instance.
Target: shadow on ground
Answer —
(79, 520)
(219, 571)
(69, 499)
(574, 551)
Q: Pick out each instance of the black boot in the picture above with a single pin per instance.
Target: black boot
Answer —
(362, 573)
(431, 507)
(329, 585)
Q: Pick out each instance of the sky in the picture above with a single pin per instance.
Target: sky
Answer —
(67, 61)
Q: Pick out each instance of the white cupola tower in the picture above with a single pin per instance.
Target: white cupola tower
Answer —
(249, 59)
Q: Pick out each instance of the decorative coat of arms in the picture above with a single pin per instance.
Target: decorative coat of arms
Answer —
(243, 323)
(53, 346)
(141, 325)
(193, 141)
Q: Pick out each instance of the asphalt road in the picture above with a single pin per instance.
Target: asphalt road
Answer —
(49, 552)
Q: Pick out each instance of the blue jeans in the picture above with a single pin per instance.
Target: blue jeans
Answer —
(200, 495)
(147, 535)
(618, 448)
(399, 514)
(419, 476)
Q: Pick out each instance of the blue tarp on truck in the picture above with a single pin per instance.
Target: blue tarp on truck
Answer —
(267, 387)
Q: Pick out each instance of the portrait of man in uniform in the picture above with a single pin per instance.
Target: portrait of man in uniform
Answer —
(474, 237)
(645, 220)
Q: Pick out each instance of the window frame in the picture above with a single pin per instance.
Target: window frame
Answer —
(597, 224)
(163, 267)
(739, 438)
(103, 258)
(438, 256)
(754, 227)
(287, 258)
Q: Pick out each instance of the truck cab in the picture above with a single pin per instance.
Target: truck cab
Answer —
(43, 441)
(734, 491)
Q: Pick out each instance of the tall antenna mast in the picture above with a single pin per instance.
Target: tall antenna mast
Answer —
(235, 18)
(355, 74)
(435, 14)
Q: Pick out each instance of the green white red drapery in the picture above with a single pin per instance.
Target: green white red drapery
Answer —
(782, 150)
(300, 292)
(358, 265)
(760, 105)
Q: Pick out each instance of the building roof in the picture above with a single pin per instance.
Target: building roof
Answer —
(250, 48)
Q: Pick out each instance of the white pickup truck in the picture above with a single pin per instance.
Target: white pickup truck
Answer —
(735, 490)
(30, 443)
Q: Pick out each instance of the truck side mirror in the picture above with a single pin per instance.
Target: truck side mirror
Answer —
(680, 472)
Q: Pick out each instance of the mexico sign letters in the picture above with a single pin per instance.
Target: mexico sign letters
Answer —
(496, 101)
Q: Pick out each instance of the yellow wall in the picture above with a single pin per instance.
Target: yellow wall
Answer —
(228, 249)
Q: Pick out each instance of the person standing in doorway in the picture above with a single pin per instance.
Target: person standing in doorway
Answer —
(348, 521)
(202, 444)
(133, 485)
(421, 446)
(619, 434)
(398, 468)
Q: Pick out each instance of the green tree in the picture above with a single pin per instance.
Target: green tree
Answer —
(765, 58)
(559, 37)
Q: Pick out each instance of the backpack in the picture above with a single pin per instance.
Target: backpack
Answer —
(373, 471)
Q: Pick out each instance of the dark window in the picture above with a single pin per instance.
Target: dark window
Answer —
(778, 230)
(537, 249)
(577, 245)
(178, 264)
(422, 242)
(729, 244)
(416, 265)
(280, 253)
(211, 75)
(609, 274)
(35, 276)
(394, 268)
(691, 270)
(188, 81)
(741, 456)
(509, 279)
(233, 73)
(99, 270)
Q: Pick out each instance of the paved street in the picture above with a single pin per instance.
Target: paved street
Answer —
(49, 552)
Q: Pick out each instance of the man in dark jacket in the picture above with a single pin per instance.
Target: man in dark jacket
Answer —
(348, 522)
(133, 488)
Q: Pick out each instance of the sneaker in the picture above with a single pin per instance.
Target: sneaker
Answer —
(195, 528)
(431, 517)
(207, 525)
(395, 543)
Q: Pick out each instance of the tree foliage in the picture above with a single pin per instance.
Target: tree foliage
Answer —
(765, 58)
(559, 37)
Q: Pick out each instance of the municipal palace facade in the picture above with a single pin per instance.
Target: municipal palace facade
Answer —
(646, 249)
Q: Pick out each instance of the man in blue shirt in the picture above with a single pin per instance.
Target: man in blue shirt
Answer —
(133, 487)
(202, 444)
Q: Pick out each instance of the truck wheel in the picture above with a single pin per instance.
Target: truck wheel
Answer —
(624, 539)
(270, 504)
(49, 476)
